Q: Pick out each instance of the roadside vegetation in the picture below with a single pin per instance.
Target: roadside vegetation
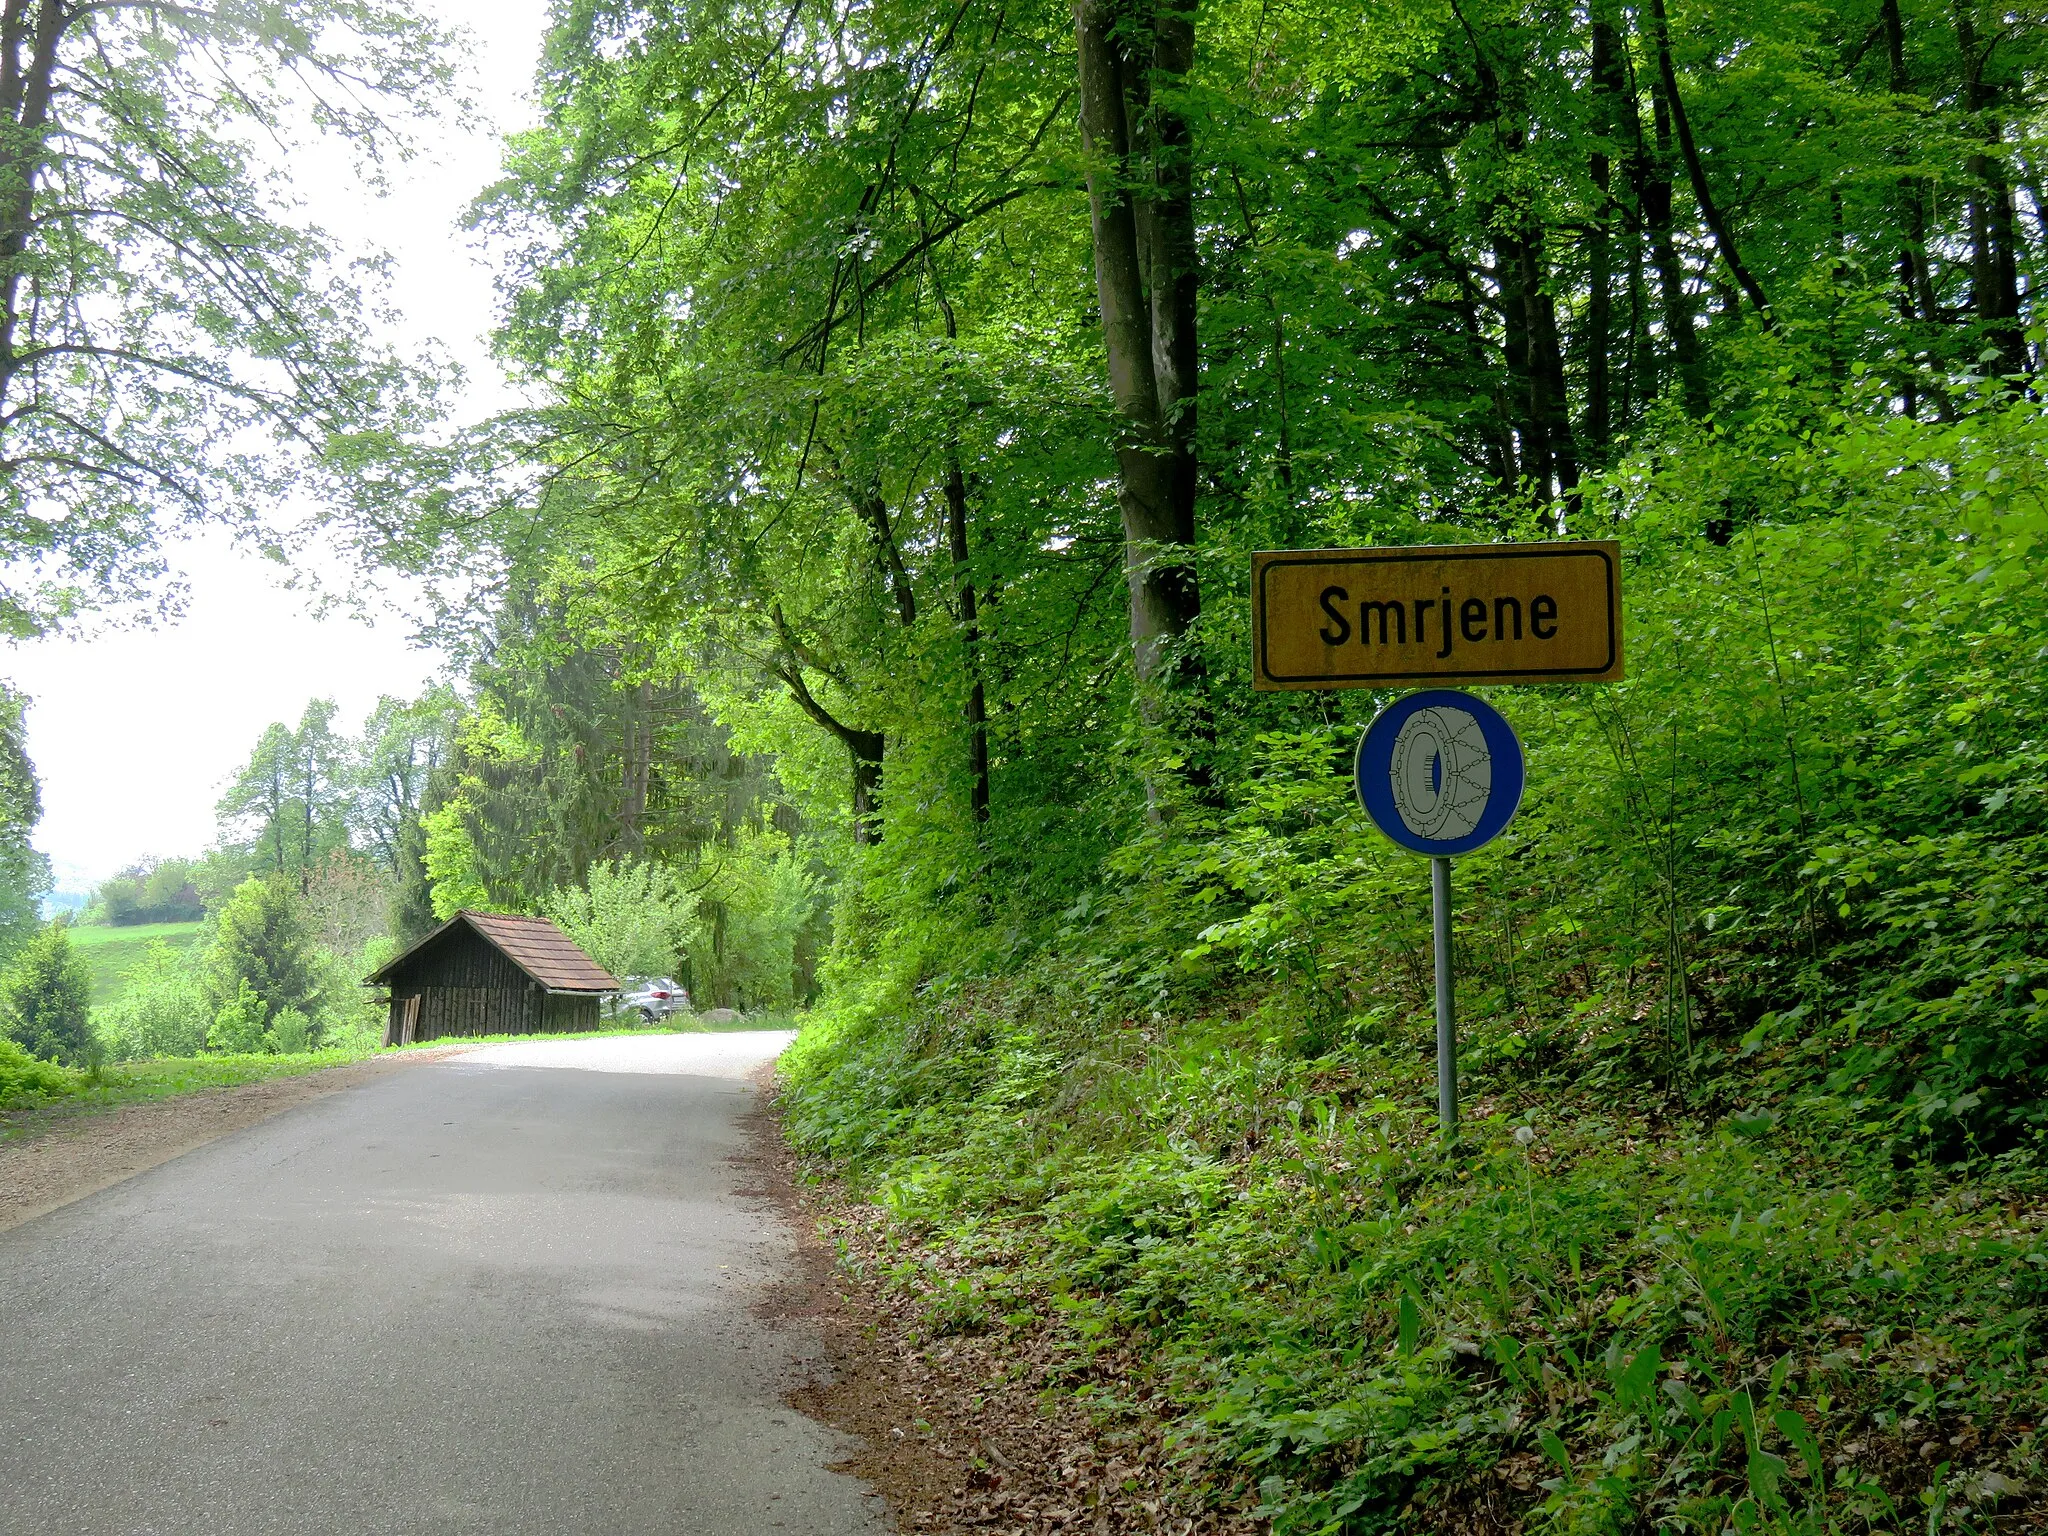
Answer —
(29, 1083)
(1749, 1225)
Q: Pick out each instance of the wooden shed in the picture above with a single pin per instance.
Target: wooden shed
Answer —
(482, 973)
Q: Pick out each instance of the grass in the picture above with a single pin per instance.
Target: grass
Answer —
(165, 1077)
(114, 952)
(171, 1075)
(130, 1082)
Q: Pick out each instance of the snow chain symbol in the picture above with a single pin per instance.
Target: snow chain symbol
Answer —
(1441, 773)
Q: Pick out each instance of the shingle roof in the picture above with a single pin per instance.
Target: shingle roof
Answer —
(544, 952)
(534, 944)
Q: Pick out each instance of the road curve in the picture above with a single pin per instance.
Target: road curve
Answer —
(509, 1293)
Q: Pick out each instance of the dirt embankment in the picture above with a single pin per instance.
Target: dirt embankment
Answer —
(62, 1154)
(958, 1430)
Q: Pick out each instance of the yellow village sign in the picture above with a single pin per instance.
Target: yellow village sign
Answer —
(1476, 613)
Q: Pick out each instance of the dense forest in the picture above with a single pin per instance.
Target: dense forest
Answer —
(865, 594)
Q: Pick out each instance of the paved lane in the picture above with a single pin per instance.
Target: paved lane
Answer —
(491, 1295)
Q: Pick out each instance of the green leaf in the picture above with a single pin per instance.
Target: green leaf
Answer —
(1795, 1429)
(1411, 1324)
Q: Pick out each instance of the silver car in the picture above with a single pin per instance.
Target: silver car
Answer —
(654, 998)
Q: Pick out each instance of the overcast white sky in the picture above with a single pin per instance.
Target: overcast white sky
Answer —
(134, 732)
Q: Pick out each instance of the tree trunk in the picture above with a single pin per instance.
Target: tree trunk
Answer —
(1916, 278)
(306, 827)
(1173, 270)
(277, 813)
(1149, 338)
(1501, 461)
(1641, 388)
(867, 501)
(1531, 427)
(1994, 264)
(970, 636)
(1642, 385)
(1547, 400)
(866, 749)
(1696, 171)
(1599, 326)
(1654, 197)
(637, 769)
(1917, 302)
(970, 611)
(28, 68)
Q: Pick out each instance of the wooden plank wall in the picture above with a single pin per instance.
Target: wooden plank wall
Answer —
(447, 1012)
(569, 1014)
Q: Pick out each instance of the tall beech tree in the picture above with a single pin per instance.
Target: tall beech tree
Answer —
(1137, 139)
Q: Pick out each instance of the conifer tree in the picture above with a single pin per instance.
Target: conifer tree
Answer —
(263, 940)
(46, 996)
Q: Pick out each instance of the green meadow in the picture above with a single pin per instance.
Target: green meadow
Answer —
(114, 952)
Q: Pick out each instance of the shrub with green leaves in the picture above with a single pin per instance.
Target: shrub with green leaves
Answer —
(262, 942)
(759, 896)
(290, 1032)
(164, 1008)
(351, 1016)
(632, 919)
(27, 1080)
(46, 997)
(238, 1028)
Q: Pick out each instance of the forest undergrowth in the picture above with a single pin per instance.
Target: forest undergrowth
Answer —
(1748, 1227)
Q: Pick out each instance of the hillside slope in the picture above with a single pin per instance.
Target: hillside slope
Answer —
(1747, 1229)
(114, 952)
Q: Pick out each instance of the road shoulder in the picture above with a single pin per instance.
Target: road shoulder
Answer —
(66, 1157)
(960, 1431)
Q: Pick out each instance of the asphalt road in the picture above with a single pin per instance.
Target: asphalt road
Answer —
(510, 1293)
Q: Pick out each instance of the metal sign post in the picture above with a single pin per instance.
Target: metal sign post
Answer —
(1441, 773)
(1446, 1014)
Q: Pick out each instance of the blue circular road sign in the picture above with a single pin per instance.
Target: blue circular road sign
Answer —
(1440, 772)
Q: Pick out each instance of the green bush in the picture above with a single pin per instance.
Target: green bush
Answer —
(358, 1031)
(289, 1034)
(758, 898)
(152, 891)
(262, 941)
(632, 919)
(238, 1028)
(27, 1080)
(350, 1016)
(168, 1008)
(46, 997)
(163, 1009)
